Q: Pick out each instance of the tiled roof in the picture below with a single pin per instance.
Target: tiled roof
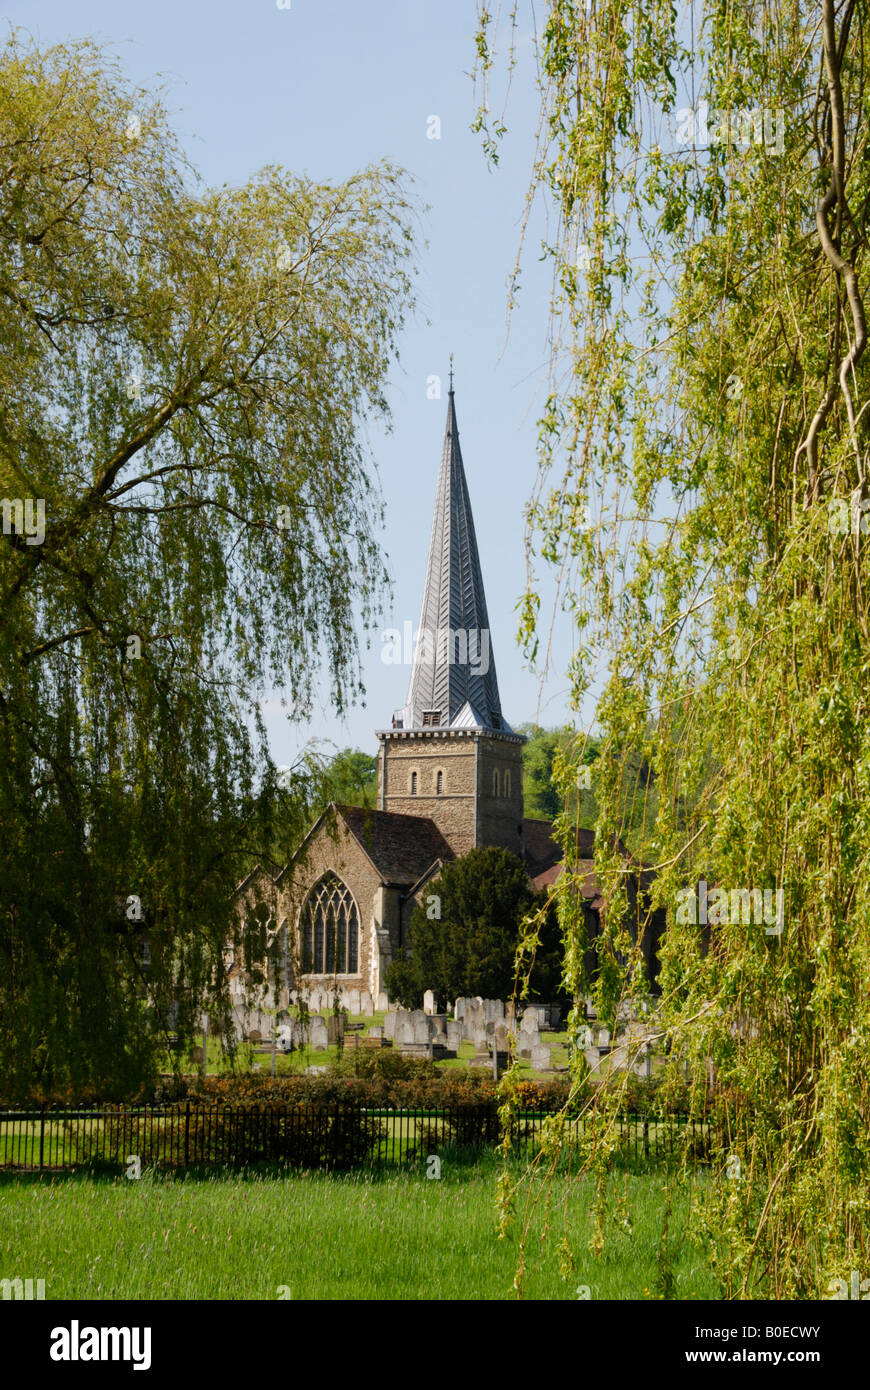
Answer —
(401, 847)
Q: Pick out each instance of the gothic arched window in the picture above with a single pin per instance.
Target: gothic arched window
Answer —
(413, 784)
(507, 783)
(330, 929)
(495, 790)
(439, 782)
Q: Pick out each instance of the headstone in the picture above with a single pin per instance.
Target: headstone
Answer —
(500, 1037)
(422, 1028)
(459, 1009)
(530, 1023)
(429, 1006)
(493, 1009)
(366, 1007)
(334, 1029)
(376, 1031)
(383, 1003)
(255, 1036)
(440, 1040)
(540, 1058)
(454, 1036)
(527, 1041)
(316, 1071)
(593, 1057)
(390, 1020)
(318, 1035)
(604, 1038)
(473, 1019)
(404, 1033)
(353, 1001)
(480, 1040)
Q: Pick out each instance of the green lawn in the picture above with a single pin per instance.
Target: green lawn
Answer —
(388, 1236)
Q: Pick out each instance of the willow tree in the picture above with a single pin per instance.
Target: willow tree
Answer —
(702, 490)
(188, 523)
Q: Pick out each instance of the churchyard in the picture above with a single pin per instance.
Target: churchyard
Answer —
(470, 1035)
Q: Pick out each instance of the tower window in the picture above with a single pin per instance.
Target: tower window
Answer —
(495, 783)
(507, 783)
(439, 782)
(413, 784)
(431, 717)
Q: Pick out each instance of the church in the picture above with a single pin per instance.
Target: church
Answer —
(450, 778)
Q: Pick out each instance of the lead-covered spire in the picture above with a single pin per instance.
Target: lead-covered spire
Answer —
(453, 680)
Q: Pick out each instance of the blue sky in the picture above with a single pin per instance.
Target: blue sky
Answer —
(324, 88)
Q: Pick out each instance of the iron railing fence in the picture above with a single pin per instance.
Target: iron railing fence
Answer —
(327, 1135)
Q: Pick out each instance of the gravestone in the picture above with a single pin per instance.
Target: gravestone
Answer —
(603, 1038)
(593, 1057)
(316, 1071)
(353, 1001)
(454, 1036)
(404, 1034)
(429, 1002)
(376, 1031)
(500, 1037)
(493, 1009)
(335, 1029)
(480, 1040)
(422, 1031)
(473, 1019)
(529, 1022)
(528, 1041)
(383, 1003)
(390, 1019)
(459, 1009)
(540, 1058)
(255, 1036)
(366, 1007)
(318, 1035)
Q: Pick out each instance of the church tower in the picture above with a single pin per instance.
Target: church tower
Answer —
(449, 754)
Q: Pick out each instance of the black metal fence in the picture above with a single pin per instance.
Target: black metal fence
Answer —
(307, 1135)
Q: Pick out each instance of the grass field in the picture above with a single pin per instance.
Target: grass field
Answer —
(319, 1236)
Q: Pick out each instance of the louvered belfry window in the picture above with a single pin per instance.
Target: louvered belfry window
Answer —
(431, 717)
(330, 929)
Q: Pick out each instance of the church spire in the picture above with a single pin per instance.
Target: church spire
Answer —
(453, 680)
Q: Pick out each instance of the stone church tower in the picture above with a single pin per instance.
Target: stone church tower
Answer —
(450, 756)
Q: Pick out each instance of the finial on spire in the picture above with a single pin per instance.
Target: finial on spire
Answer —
(451, 373)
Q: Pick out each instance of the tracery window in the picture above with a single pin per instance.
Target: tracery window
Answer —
(330, 929)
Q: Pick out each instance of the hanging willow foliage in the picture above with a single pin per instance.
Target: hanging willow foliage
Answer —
(707, 177)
